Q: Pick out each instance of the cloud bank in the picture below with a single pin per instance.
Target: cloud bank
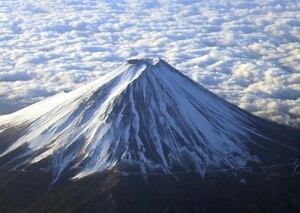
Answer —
(247, 52)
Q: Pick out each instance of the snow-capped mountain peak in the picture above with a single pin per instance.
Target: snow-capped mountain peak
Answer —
(144, 116)
(153, 61)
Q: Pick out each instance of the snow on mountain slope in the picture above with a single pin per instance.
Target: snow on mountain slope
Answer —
(145, 115)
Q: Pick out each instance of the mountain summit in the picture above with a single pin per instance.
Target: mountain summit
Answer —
(144, 118)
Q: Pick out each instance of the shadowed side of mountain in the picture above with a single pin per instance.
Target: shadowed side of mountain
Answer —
(219, 191)
(145, 138)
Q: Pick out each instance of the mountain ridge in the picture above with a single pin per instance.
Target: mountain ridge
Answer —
(145, 113)
(145, 137)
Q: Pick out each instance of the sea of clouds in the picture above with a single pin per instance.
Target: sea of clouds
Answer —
(247, 52)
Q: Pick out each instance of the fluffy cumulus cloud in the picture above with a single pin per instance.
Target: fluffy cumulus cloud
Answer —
(247, 52)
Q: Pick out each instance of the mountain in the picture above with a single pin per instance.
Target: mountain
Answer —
(145, 138)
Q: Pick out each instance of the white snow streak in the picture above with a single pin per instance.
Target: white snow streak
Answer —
(245, 51)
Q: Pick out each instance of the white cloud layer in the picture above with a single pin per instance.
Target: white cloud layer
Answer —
(245, 51)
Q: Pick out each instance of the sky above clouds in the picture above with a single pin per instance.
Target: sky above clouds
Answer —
(247, 52)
